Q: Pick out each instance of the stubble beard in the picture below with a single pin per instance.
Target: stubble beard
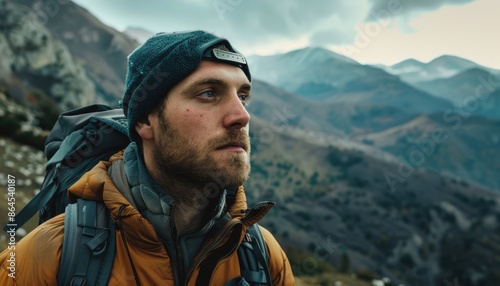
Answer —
(180, 161)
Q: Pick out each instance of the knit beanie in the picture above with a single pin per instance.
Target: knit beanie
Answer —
(163, 61)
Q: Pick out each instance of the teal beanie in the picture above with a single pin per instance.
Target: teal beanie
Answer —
(163, 61)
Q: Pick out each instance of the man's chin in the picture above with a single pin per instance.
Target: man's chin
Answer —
(232, 177)
(237, 181)
(230, 169)
(231, 160)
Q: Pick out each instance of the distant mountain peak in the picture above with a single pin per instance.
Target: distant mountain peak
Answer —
(445, 66)
(450, 57)
(409, 62)
(317, 54)
(406, 66)
(452, 61)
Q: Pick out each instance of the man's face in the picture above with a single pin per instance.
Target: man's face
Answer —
(202, 135)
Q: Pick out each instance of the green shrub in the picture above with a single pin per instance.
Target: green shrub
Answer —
(345, 263)
(9, 124)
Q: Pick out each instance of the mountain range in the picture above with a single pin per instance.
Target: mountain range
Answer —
(474, 88)
(317, 73)
(412, 70)
(389, 113)
(377, 171)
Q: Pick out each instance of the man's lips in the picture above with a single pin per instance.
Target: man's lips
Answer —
(234, 146)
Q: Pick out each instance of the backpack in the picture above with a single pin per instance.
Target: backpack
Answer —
(78, 141)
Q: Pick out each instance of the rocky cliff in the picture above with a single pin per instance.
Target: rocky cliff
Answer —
(101, 50)
(29, 52)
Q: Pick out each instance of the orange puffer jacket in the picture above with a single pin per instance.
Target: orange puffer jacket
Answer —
(37, 255)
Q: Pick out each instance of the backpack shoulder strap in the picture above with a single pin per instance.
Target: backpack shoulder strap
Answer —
(254, 260)
(89, 245)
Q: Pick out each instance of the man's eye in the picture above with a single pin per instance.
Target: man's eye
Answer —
(245, 99)
(207, 94)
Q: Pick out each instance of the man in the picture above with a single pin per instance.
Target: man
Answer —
(185, 104)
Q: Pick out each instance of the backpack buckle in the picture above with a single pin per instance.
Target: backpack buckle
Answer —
(247, 237)
(78, 281)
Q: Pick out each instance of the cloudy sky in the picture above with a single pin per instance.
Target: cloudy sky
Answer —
(369, 31)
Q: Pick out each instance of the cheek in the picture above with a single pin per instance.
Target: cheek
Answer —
(195, 121)
(195, 124)
(193, 118)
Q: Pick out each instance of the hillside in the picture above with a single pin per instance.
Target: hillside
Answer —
(472, 88)
(337, 200)
(470, 152)
(464, 147)
(26, 164)
(101, 50)
(343, 118)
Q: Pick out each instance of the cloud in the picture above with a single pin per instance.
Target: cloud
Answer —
(320, 22)
(251, 23)
(256, 24)
(331, 36)
(408, 8)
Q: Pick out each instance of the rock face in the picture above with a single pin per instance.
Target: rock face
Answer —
(30, 52)
(101, 50)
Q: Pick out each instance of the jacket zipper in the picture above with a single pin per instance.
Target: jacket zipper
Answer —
(180, 263)
(223, 234)
(209, 248)
(120, 226)
(179, 277)
(174, 264)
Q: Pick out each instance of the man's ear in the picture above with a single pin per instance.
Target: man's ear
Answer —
(144, 128)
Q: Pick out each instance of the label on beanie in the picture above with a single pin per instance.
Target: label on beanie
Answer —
(229, 56)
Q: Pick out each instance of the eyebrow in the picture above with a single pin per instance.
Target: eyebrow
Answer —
(213, 81)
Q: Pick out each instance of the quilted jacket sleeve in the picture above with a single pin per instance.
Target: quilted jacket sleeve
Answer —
(36, 256)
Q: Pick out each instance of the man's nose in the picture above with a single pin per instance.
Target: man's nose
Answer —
(237, 115)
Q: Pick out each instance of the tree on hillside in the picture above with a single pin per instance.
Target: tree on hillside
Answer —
(345, 263)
